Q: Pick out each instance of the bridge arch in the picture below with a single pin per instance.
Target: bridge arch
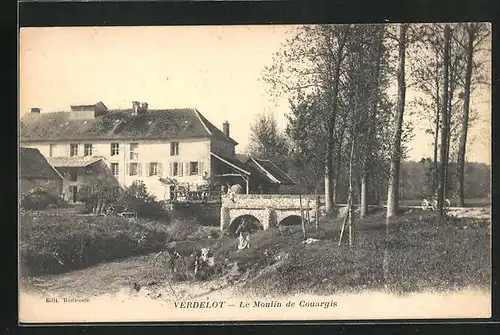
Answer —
(254, 222)
(290, 220)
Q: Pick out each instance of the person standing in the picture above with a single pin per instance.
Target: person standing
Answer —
(243, 233)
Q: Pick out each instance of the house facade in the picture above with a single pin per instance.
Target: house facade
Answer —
(36, 173)
(134, 144)
(78, 172)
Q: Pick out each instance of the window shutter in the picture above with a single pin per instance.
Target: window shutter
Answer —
(147, 170)
(180, 168)
(127, 169)
(160, 169)
(171, 169)
(139, 169)
(200, 168)
(187, 168)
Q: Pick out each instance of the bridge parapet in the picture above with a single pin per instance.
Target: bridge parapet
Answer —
(269, 209)
(277, 201)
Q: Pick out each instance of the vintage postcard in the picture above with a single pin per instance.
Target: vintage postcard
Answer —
(255, 173)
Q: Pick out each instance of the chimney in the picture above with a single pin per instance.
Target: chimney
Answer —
(35, 110)
(225, 128)
(135, 107)
(144, 107)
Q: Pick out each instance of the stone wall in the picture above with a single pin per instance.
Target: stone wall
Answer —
(269, 209)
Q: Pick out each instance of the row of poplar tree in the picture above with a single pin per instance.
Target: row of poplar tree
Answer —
(347, 90)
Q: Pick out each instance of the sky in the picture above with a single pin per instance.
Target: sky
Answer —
(215, 69)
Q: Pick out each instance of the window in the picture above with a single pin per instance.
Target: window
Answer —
(193, 168)
(115, 149)
(133, 151)
(73, 175)
(133, 169)
(73, 150)
(174, 148)
(175, 169)
(153, 169)
(115, 169)
(87, 149)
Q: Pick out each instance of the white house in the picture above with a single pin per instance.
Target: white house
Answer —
(136, 143)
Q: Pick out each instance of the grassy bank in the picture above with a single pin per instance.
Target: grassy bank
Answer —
(52, 242)
(419, 255)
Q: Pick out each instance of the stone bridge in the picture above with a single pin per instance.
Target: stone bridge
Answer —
(269, 209)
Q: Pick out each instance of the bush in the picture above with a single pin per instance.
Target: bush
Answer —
(136, 198)
(38, 200)
(54, 243)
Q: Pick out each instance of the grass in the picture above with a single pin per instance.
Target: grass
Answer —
(420, 255)
(55, 242)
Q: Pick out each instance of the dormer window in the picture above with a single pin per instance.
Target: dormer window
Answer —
(115, 149)
(73, 149)
(87, 149)
(174, 148)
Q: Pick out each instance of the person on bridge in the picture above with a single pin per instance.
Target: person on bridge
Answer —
(243, 231)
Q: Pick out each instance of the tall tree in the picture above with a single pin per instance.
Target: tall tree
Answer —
(476, 33)
(266, 139)
(393, 189)
(445, 122)
(370, 129)
(311, 61)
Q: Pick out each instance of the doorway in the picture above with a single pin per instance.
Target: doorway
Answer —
(73, 192)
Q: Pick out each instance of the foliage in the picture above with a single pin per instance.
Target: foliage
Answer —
(37, 198)
(136, 198)
(54, 242)
(266, 140)
(98, 194)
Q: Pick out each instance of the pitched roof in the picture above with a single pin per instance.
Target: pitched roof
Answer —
(33, 164)
(265, 169)
(72, 161)
(234, 163)
(120, 124)
(269, 167)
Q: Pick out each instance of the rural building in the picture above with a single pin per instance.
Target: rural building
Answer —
(80, 171)
(36, 172)
(151, 145)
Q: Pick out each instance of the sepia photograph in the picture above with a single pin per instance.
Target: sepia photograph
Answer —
(255, 173)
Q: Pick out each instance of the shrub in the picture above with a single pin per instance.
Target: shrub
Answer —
(136, 198)
(52, 243)
(180, 229)
(37, 199)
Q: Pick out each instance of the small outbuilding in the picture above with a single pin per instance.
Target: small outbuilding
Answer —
(36, 172)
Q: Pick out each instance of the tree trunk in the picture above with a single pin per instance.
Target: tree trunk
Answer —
(448, 140)
(393, 189)
(329, 177)
(364, 197)
(302, 221)
(444, 121)
(349, 205)
(371, 125)
(331, 125)
(465, 120)
(436, 129)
